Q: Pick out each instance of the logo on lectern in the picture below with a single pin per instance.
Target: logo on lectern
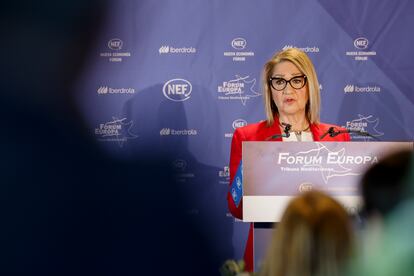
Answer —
(321, 159)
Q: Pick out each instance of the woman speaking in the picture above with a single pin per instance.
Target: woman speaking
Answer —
(292, 107)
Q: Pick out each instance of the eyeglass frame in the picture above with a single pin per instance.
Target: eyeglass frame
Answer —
(305, 78)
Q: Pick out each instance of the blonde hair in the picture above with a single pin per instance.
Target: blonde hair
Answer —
(304, 64)
(314, 237)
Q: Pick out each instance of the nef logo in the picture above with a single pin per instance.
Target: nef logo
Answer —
(305, 187)
(115, 44)
(225, 172)
(239, 123)
(361, 43)
(238, 43)
(180, 164)
(177, 90)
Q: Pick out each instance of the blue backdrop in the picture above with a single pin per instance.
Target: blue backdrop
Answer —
(179, 76)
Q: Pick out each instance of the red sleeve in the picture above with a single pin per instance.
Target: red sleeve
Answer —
(235, 158)
(347, 137)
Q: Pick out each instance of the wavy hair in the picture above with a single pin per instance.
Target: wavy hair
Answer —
(314, 237)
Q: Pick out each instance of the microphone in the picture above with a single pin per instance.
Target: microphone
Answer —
(285, 130)
(333, 133)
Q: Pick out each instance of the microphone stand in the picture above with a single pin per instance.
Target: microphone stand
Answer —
(332, 133)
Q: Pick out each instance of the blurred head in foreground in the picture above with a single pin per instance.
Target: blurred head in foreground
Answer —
(387, 248)
(314, 237)
(67, 207)
(383, 185)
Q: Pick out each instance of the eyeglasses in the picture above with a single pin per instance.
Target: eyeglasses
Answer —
(295, 82)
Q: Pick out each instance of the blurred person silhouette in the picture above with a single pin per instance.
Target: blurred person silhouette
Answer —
(196, 180)
(382, 189)
(66, 207)
(314, 237)
(385, 246)
(382, 186)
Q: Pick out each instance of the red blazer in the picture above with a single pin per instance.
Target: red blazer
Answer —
(259, 132)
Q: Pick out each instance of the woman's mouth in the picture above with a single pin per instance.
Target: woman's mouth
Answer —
(289, 101)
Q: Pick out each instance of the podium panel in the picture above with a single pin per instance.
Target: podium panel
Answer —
(273, 173)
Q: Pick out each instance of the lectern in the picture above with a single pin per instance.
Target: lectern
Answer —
(273, 173)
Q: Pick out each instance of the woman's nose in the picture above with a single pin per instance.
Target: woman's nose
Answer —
(288, 89)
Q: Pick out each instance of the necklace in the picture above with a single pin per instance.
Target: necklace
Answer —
(298, 133)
